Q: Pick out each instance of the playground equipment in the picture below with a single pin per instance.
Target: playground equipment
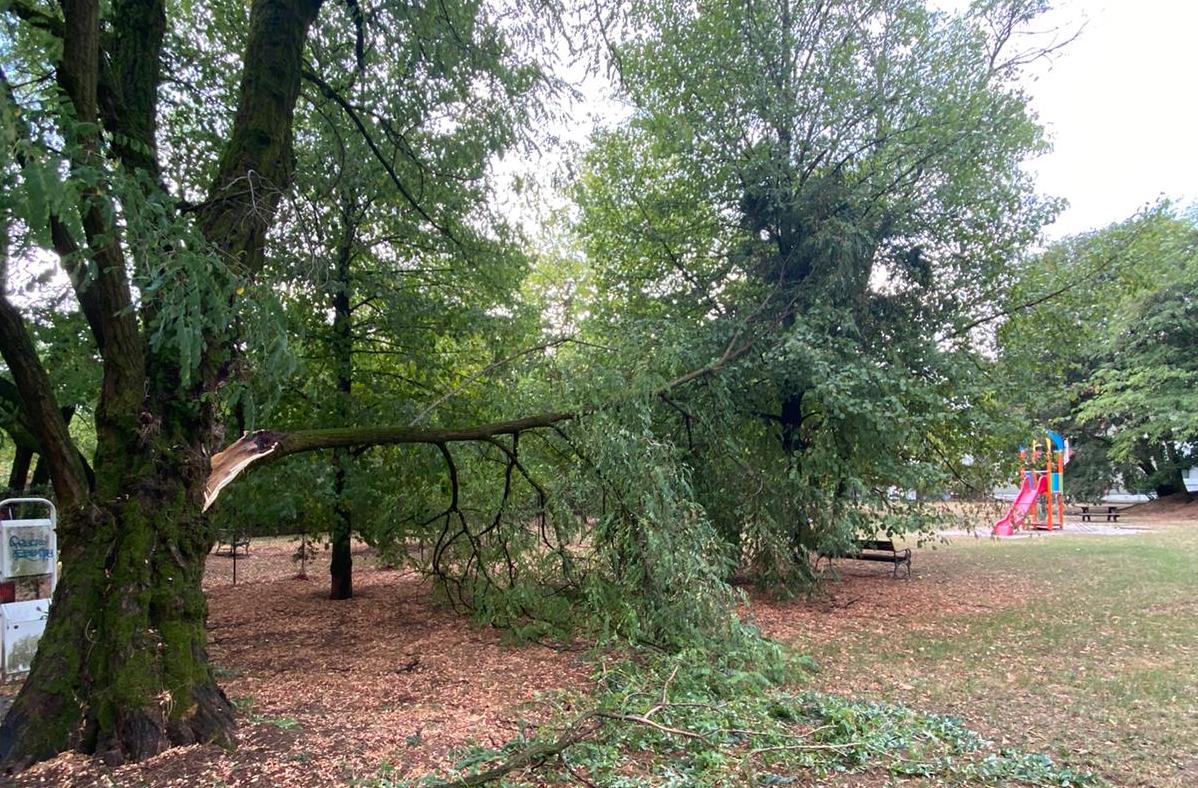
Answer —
(29, 560)
(1041, 490)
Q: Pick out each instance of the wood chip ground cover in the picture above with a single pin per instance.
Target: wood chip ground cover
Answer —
(1079, 646)
(327, 692)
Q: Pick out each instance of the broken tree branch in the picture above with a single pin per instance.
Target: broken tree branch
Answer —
(268, 446)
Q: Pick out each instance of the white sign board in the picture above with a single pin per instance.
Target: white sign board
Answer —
(23, 624)
(28, 548)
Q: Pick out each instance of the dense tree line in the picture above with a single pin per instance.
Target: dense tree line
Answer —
(1099, 345)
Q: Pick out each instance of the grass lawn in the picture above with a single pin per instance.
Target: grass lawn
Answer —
(1083, 647)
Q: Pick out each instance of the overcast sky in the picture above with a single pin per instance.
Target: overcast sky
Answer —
(1121, 105)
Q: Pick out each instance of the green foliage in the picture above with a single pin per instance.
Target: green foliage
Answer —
(826, 234)
(1106, 360)
(695, 719)
(757, 304)
(761, 315)
(816, 292)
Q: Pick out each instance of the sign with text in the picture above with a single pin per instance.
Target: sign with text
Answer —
(28, 548)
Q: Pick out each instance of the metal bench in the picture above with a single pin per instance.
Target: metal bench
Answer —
(234, 539)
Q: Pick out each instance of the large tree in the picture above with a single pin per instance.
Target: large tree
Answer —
(121, 669)
(850, 172)
(884, 140)
(154, 170)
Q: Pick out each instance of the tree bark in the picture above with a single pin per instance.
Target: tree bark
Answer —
(341, 566)
(41, 473)
(122, 670)
(18, 476)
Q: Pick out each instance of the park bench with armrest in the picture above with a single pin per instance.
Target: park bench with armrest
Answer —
(882, 550)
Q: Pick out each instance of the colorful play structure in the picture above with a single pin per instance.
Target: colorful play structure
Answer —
(1040, 504)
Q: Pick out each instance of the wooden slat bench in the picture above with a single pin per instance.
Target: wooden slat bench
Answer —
(882, 550)
(1112, 513)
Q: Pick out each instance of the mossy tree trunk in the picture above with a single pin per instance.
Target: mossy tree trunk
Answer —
(122, 668)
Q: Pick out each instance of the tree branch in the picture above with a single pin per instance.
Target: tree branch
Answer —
(40, 405)
(129, 88)
(255, 167)
(332, 95)
(37, 16)
(268, 446)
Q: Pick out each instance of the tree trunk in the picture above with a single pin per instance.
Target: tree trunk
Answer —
(341, 568)
(122, 669)
(41, 473)
(1174, 481)
(791, 423)
(1171, 486)
(19, 475)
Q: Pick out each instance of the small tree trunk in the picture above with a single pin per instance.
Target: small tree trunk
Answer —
(41, 473)
(41, 470)
(341, 567)
(19, 475)
(122, 669)
(791, 423)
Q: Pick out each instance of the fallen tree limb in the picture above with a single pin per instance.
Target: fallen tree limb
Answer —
(581, 729)
(267, 446)
(592, 722)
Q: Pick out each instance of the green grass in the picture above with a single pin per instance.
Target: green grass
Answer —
(1092, 656)
(1073, 658)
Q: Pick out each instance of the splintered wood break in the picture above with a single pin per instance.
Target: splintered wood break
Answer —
(228, 464)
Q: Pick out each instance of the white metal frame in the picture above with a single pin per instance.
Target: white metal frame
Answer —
(12, 609)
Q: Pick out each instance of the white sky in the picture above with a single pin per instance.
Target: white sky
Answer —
(1121, 106)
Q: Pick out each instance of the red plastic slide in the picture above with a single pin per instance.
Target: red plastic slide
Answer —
(1024, 502)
